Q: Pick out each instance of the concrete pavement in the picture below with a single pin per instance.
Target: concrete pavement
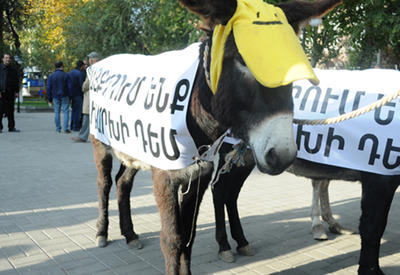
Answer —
(48, 211)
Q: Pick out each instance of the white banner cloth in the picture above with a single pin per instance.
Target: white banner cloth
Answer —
(370, 142)
(138, 105)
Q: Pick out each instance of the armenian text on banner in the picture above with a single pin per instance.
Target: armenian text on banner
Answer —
(370, 142)
(138, 105)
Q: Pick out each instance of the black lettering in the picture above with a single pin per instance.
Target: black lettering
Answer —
(357, 98)
(356, 102)
(121, 89)
(96, 84)
(112, 129)
(147, 105)
(101, 120)
(328, 96)
(103, 80)
(92, 110)
(172, 134)
(161, 108)
(139, 123)
(124, 128)
(388, 149)
(138, 83)
(390, 114)
(118, 76)
(343, 102)
(151, 135)
(332, 137)
(298, 92)
(374, 148)
(316, 99)
(178, 96)
(306, 135)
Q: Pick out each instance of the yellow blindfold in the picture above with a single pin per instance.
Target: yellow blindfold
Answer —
(267, 43)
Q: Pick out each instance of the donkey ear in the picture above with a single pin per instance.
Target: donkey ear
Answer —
(212, 12)
(299, 12)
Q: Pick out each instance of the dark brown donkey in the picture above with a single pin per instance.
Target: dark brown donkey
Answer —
(259, 115)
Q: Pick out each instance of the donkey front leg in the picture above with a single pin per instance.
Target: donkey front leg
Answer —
(219, 197)
(124, 180)
(377, 196)
(239, 175)
(104, 166)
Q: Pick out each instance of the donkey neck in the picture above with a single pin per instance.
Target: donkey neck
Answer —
(203, 126)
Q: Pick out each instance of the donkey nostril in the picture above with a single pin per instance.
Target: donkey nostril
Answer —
(271, 158)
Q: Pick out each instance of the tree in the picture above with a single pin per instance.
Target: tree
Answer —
(142, 26)
(364, 27)
(44, 42)
(12, 16)
(373, 25)
(69, 30)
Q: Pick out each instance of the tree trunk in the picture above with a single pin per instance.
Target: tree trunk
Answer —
(1, 28)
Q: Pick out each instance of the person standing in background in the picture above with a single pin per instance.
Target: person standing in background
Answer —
(83, 71)
(58, 93)
(84, 132)
(9, 90)
(76, 81)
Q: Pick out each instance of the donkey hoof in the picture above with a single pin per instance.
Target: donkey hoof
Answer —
(246, 250)
(318, 233)
(336, 228)
(226, 256)
(101, 241)
(135, 244)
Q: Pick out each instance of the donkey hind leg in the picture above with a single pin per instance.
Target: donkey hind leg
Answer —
(165, 193)
(104, 166)
(189, 210)
(124, 180)
(377, 196)
(326, 212)
(317, 229)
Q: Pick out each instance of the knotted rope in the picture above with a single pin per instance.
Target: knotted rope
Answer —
(234, 157)
(205, 64)
(350, 115)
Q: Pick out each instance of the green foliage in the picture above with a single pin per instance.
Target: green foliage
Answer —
(68, 30)
(371, 25)
(12, 19)
(323, 43)
(109, 27)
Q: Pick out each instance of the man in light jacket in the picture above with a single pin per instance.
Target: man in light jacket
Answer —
(84, 132)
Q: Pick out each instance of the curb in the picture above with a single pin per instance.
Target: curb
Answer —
(34, 109)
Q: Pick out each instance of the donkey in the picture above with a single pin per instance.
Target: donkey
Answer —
(377, 195)
(232, 96)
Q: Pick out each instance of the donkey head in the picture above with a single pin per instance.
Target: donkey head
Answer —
(253, 57)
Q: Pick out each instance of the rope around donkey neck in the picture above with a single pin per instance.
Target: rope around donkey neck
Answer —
(350, 115)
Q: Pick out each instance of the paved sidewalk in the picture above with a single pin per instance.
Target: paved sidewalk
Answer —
(48, 211)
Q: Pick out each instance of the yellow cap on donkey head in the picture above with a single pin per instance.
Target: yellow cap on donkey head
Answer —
(267, 43)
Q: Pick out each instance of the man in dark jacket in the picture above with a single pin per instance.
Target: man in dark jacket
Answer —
(9, 87)
(76, 80)
(58, 93)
